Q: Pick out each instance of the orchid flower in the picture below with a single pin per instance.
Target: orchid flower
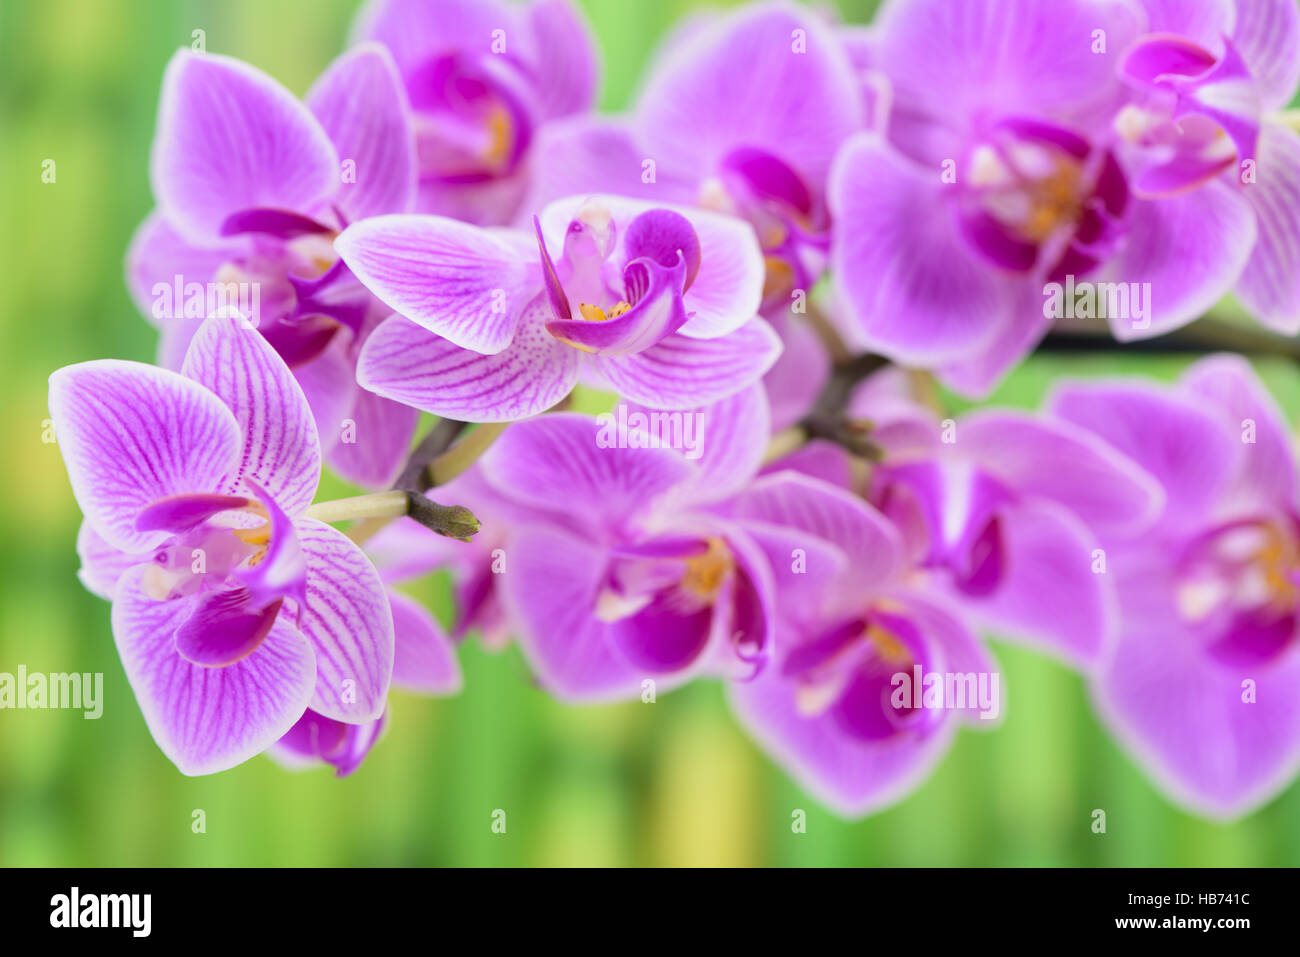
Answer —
(656, 303)
(623, 570)
(315, 739)
(725, 118)
(990, 177)
(485, 79)
(829, 706)
(741, 114)
(1208, 80)
(252, 185)
(999, 176)
(424, 660)
(1201, 686)
(234, 611)
(1001, 512)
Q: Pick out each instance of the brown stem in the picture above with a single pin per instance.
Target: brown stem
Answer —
(453, 521)
(827, 418)
(417, 477)
(440, 437)
(1209, 334)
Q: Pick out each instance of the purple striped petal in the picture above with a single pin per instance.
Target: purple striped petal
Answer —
(132, 434)
(417, 30)
(411, 365)
(1270, 284)
(726, 440)
(680, 372)
(556, 460)
(208, 719)
(468, 285)
(1047, 567)
(584, 154)
(733, 434)
(904, 271)
(955, 60)
(792, 500)
(231, 138)
(1186, 447)
(159, 257)
(1183, 717)
(550, 591)
(281, 446)
(741, 81)
(424, 659)
(383, 431)
(1105, 489)
(1228, 384)
(804, 568)
(1268, 35)
(565, 60)
(174, 341)
(362, 106)
(1191, 248)
(348, 621)
(102, 565)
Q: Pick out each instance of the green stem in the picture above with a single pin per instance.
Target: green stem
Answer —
(452, 521)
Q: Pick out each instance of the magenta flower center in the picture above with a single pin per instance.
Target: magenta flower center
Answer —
(470, 119)
(791, 227)
(1039, 197)
(849, 673)
(1237, 588)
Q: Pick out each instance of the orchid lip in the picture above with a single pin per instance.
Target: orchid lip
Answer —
(180, 513)
(1237, 590)
(471, 118)
(1040, 196)
(242, 575)
(663, 255)
(278, 223)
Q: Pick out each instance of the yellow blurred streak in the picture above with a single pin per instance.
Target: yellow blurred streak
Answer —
(703, 808)
(581, 823)
(608, 728)
(41, 485)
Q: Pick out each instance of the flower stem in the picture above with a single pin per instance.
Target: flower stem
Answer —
(379, 505)
(1210, 333)
(463, 454)
(438, 458)
(453, 521)
(829, 335)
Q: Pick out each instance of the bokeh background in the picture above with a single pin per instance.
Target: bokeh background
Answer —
(673, 783)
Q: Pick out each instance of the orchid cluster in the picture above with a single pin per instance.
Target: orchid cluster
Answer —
(764, 271)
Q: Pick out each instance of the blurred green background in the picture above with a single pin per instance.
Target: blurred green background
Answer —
(673, 783)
